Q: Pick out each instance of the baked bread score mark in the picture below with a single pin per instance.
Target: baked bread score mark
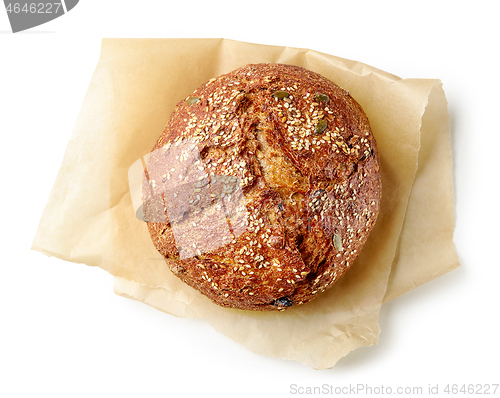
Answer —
(263, 187)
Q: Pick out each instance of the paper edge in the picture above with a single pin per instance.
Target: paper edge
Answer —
(438, 85)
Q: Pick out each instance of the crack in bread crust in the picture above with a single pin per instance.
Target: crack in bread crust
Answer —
(308, 193)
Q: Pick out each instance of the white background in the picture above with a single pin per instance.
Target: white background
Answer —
(63, 332)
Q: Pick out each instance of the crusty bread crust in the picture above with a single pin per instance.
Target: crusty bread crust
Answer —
(287, 160)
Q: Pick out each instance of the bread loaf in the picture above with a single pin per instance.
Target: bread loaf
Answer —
(263, 187)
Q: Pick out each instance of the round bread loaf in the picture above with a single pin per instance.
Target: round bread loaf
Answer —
(263, 187)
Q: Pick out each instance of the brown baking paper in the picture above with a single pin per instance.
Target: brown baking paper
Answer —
(89, 216)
